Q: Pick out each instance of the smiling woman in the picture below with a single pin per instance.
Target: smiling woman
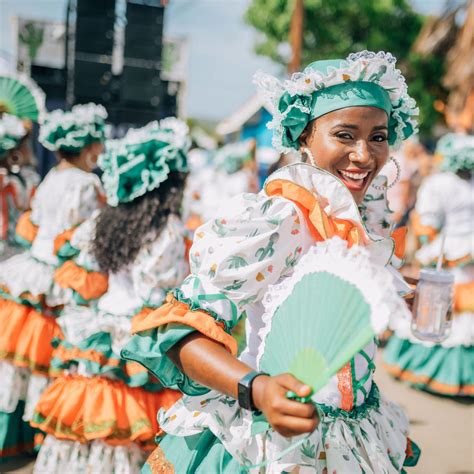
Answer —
(344, 114)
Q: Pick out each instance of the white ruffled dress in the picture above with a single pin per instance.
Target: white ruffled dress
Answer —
(29, 295)
(235, 257)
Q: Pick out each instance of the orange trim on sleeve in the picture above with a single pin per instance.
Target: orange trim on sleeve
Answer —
(174, 311)
(399, 237)
(321, 226)
(25, 228)
(464, 297)
(90, 285)
(62, 238)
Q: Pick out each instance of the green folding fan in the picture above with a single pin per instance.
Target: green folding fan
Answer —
(317, 320)
(20, 96)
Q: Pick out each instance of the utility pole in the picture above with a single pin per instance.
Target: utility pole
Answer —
(296, 36)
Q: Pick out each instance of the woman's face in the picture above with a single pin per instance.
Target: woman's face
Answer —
(351, 144)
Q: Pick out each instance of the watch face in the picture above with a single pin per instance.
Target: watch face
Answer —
(243, 396)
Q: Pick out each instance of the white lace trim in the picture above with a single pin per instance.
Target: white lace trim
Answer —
(19, 384)
(352, 265)
(364, 66)
(13, 386)
(36, 386)
(71, 457)
(76, 124)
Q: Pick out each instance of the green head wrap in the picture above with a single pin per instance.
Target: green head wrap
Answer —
(232, 157)
(456, 151)
(363, 79)
(143, 159)
(73, 130)
(12, 131)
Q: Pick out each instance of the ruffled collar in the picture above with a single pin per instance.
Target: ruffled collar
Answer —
(337, 204)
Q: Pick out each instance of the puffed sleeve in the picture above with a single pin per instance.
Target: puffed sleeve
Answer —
(161, 266)
(78, 271)
(81, 200)
(233, 261)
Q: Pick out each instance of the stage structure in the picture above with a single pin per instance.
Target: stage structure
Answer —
(109, 52)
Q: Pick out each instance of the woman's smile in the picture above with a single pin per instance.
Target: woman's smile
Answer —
(355, 179)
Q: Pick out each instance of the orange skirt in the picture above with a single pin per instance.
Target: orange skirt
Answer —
(83, 409)
(26, 335)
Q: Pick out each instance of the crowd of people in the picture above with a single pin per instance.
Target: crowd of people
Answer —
(133, 304)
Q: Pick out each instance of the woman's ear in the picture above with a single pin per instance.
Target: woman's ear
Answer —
(304, 138)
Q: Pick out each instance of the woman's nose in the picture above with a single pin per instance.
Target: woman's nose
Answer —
(361, 153)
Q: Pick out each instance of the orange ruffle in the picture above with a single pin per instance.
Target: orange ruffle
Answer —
(62, 238)
(434, 385)
(399, 237)
(25, 228)
(26, 335)
(321, 226)
(84, 409)
(174, 311)
(90, 285)
(464, 297)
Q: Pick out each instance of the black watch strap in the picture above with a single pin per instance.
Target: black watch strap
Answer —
(244, 390)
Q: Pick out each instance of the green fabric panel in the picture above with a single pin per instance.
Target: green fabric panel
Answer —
(15, 434)
(26, 244)
(199, 454)
(451, 366)
(149, 349)
(102, 342)
(66, 252)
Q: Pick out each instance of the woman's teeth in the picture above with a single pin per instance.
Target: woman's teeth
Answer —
(354, 176)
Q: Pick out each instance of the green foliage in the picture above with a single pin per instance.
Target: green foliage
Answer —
(335, 28)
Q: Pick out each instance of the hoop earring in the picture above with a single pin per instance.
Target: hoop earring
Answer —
(309, 153)
(91, 164)
(397, 177)
(14, 160)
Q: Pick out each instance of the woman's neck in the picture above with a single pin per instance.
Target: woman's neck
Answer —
(66, 164)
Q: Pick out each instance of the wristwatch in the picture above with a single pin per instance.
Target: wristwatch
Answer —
(244, 391)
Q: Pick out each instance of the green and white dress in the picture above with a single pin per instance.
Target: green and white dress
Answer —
(234, 259)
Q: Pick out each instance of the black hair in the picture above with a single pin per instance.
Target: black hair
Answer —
(121, 231)
(68, 155)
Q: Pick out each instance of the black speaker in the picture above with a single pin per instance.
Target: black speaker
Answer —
(95, 22)
(51, 80)
(142, 86)
(92, 82)
(144, 32)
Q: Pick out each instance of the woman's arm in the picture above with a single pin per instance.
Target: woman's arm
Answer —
(209, 363)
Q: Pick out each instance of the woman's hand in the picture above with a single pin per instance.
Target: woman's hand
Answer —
(287, 417)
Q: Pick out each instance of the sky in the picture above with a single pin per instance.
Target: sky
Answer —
(221, 61)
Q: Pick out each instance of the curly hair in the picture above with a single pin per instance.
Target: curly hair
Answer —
(122, 231)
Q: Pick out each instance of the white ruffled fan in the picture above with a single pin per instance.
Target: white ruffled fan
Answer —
(318, 319)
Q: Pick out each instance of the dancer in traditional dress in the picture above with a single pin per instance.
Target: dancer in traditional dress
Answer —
(29, 299)
(22, 98)
(444, 216)
(100, 413)
(17, 182)
(343, 115)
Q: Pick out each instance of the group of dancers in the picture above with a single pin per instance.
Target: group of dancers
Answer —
(119, 315)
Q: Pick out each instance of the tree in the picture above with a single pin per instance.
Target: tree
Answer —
(335, 28)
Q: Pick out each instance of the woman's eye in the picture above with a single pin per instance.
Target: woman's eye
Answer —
(379, 138)
(344, 135)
